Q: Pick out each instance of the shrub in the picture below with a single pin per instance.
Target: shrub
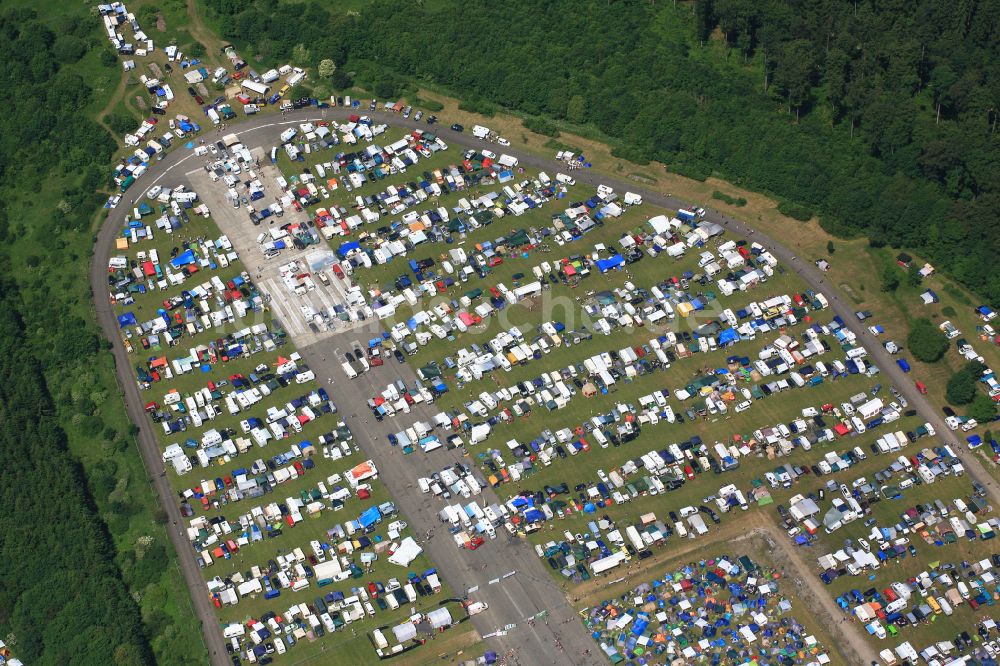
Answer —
(725, 198)
(689, 170)
(478, 106)
(927, 343)
(795, 211)
(541, 126)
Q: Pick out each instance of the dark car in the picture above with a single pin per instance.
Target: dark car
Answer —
(199, 99)
(398, 355)
(458, 128)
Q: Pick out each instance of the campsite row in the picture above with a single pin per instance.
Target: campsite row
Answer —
(232, 394)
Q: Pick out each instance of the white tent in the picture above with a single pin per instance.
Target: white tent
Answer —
(439, 617)
(406, 553)
(404, 632)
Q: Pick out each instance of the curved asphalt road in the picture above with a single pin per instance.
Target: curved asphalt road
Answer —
(535, 587)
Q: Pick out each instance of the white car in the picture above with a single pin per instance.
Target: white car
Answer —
(743, 406)
(489, 154)
(502, 141)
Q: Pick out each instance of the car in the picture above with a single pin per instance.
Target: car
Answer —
(198, 98)
(457, 128)
(502, 141)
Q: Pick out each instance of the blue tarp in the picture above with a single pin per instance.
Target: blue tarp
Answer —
(183, 259)
(534, 516)
(370, 517)
(127, 319)
(345, 248)
(729, 335)
(605, 265)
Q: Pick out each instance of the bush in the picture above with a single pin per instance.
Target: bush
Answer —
(68, 49)
(385, 89)
(725, 198)
(431, 105)
(983, 409)
(927, 343)
(795, 211)
(948, 311)
(961, 389)
(120, 123)
(341, 80)
(689, 170)
(633, 154)
(541, 126)
(890, 278)
(478, 106)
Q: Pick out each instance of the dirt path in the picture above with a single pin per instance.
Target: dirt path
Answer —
(199, 30)
(116, 96)
(797, 572)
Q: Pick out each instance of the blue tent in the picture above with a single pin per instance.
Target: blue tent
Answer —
(534, 516)
(127, 319)
(370, 517)
(605, 265)
(183, 259)
(346, 248)
(729, 335)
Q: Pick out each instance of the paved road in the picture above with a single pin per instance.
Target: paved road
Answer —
(148, 446)
(532, 587)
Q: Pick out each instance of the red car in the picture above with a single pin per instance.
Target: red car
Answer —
(476, 542)
(495, 261)
(338, 271)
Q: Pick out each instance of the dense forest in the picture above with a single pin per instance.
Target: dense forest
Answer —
(879, 116)
(84, 557)
(63, 598)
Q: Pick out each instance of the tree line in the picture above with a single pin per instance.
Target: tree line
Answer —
(63, 599)
(85, 566)
(880, 116)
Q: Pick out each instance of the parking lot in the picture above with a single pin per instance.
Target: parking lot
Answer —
(308, 312)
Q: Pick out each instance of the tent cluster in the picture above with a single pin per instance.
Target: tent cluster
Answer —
(713, 611)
